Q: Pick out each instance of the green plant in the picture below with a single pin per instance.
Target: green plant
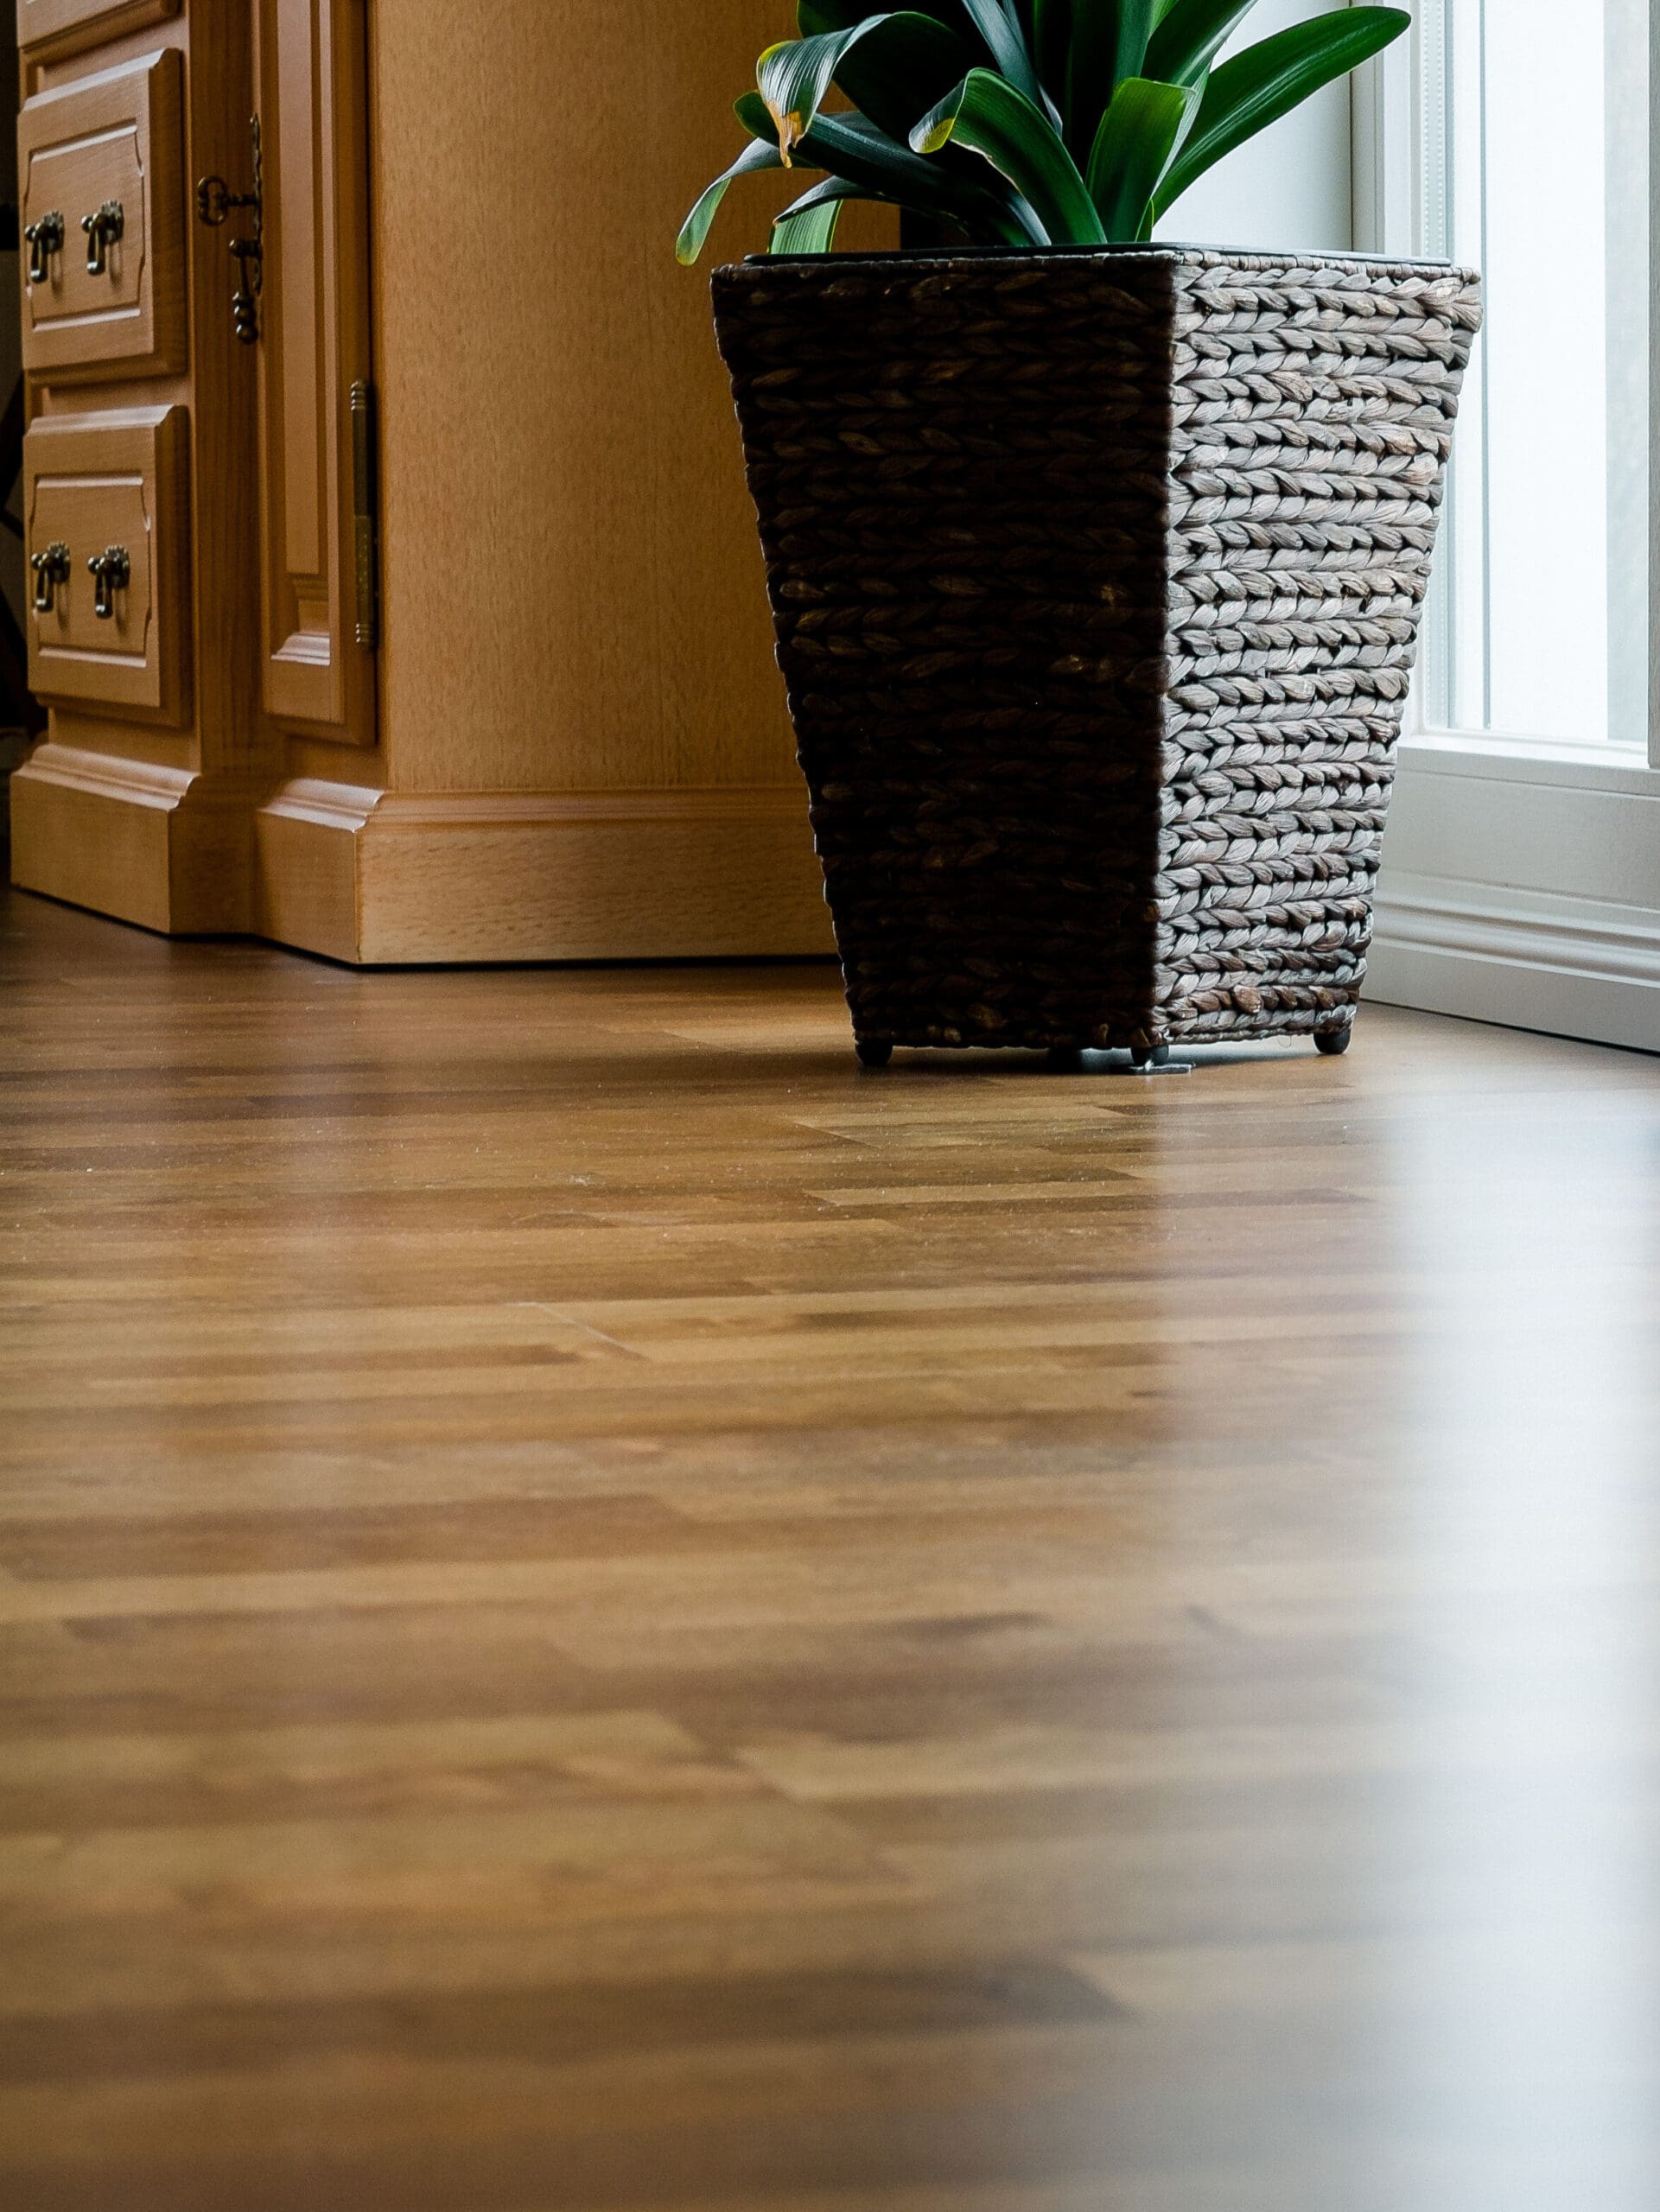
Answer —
(1021, 122)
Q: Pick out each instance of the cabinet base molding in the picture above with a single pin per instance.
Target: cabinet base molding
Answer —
(436, 878)
(165, 848)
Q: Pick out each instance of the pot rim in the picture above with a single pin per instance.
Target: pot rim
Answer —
(1157, 249)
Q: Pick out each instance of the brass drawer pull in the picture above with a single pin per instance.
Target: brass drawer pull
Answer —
(45, 239)
(102, 230)
(111, 571)
(51, 568)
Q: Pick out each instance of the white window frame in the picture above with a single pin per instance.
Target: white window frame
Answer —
(1522, 873)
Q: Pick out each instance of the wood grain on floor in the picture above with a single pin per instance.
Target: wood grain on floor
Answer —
(600, 1611)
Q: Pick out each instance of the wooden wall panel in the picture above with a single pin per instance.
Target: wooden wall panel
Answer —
(573, 578)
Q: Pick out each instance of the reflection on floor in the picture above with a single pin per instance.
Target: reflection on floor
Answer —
(598, 1610)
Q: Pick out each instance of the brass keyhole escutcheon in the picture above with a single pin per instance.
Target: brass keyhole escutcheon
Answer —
(51, 568)
(214, 200)
(44, 239)
(102, 230)
(111, 571)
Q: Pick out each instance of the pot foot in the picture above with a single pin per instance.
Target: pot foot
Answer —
(874, 1051)
(1334, 1042)
(1149, 1056)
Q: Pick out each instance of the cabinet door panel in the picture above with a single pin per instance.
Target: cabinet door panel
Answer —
(96, 486)
(109, 141)
(317, 678)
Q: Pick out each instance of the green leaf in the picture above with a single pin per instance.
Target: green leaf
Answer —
(986, 113)
(802, 228)
(996, 30)
(1191, 35)
(1141, 130)
(1051, 42)
(1267, 81)
(851, 146)
(793, 78)
(759, 154)
(818, 15)
(812, 233)
(1108, 47)
(1003, 36)
(901, 75)
(810, 225)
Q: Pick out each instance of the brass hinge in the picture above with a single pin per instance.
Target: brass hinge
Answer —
(365, 515)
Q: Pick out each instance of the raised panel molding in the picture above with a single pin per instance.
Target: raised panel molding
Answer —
(64, 26)
(117, 135)
(90, 481)
(315, 344)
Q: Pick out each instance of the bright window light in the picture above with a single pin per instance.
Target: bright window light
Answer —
(1535, 148)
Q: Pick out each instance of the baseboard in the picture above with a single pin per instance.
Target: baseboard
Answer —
(306, 866)
(1526, 959)
(388, 877)
(165, 848)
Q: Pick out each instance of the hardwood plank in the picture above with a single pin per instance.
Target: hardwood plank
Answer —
(598, 1611)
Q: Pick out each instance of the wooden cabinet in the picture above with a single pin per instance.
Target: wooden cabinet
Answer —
(443, 633)
(140, 459)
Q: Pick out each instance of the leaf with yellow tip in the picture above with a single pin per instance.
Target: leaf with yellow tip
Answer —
(987, 114)
(794, 79)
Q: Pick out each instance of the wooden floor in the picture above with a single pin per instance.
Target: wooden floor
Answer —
(599, 1609)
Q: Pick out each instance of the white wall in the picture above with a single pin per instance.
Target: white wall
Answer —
(1289, 188)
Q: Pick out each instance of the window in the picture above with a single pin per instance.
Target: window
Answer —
(1517, 139)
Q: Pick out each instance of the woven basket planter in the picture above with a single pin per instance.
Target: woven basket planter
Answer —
(1098, 578)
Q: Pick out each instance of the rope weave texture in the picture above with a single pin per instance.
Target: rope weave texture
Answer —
(1096, 581)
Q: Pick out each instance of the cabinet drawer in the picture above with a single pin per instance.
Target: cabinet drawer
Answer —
(69, 23)
(109, 489)
(105, 151)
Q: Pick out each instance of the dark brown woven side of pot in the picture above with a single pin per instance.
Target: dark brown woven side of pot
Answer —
(1098, 579)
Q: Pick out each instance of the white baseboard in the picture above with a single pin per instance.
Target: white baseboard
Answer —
(1528, 959)
(1521, 885)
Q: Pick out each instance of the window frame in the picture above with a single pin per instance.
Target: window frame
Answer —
(1520, 878)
